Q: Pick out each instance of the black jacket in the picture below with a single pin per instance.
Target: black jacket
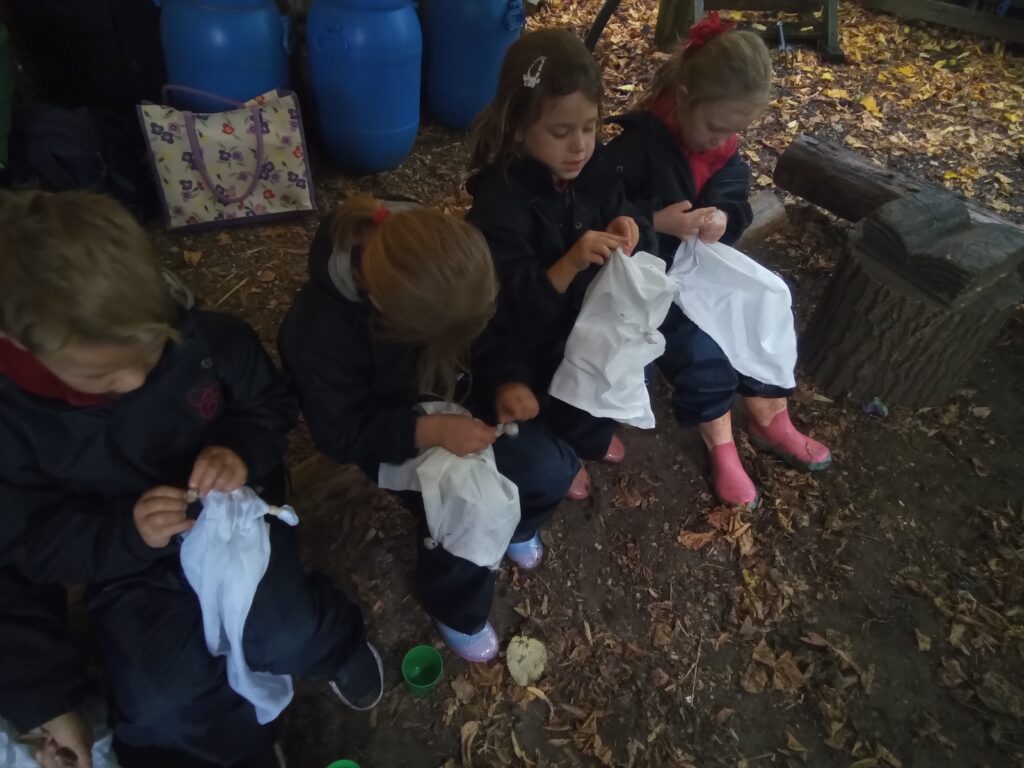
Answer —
(358, 391)
(656, 174)
(530, 224)
(70, 476)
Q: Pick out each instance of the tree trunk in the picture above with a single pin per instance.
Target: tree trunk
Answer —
(874, 334)
(849, 185)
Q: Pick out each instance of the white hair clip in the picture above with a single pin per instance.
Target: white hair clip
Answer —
(532, 76)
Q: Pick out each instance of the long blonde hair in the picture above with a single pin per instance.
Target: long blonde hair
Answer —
(77, 268)
(431, 279)
(732, 66)
(561, 64)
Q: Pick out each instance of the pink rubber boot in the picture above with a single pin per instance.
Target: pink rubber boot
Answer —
(616, 451)
(580, 488)
(786, 441)
(731, 483)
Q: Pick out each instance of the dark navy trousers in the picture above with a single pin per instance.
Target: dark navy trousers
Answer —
(459, 593)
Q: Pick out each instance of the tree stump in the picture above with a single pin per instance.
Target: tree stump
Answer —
(917, 298)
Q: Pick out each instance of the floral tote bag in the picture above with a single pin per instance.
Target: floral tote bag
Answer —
(244, 165)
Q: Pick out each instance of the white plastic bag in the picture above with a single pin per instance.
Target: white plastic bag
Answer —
(744, 307)
(472, 509)
(224, 557)
(615, 336)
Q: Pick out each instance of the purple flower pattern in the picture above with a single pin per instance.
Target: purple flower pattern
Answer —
(228, 152)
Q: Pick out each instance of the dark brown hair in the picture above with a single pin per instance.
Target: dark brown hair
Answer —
(561, 64)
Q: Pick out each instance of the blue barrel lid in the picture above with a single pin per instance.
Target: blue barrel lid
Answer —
(220, 5)
(367, 5)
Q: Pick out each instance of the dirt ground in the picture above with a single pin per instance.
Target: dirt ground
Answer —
(871, 615)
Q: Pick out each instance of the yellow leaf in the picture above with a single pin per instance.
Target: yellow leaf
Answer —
(950, 175)
(869, 103)
(906, 70)
(836, 93)
(826, 75)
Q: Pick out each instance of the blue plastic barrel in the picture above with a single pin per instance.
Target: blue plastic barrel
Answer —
(364, 63)
(237, 49)
(466, 41)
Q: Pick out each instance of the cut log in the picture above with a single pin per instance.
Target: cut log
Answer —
(769, 217)
(916, 299)
(875, 335)
(849, 185)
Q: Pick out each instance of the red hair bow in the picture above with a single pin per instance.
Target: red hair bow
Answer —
(379, 215)
(708, 27)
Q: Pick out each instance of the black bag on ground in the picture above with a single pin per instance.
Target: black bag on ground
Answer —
(59, 149)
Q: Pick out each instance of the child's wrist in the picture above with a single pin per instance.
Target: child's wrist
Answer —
(426, 432)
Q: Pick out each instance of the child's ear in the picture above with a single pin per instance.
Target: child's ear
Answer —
(682, 94)
(517, 137)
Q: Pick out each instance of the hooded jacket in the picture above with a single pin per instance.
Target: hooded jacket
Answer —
(70, 476)
(656, 174)
(529, 224)
(357, 390)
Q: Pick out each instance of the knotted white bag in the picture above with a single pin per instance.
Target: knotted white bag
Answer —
(615, 336)
(744, 307)
(224, 557)
(472, 509)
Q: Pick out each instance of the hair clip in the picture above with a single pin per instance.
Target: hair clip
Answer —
(379, 215)
(532, 76)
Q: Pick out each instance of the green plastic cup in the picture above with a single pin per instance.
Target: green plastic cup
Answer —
(344, 764)
(422, 669)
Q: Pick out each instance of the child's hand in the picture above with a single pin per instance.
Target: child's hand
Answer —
(217, 469)
(592, 248)
(626, 228)
(160, 514)
(461, 435)
(713, 227)
(68, 742)
(515, 402)
(681, 220)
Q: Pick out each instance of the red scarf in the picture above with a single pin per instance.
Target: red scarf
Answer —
(31, 376)
(703, 165)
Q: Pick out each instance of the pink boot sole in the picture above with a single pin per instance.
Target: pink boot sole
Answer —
(731, 483)
(788, 443)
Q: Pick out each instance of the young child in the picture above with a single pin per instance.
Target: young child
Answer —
(114, 401)
(678, 160)
(551, 210)
(398, 297)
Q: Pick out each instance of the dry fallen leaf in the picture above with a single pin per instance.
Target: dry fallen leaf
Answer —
(469, 732)
(192, 258)
(695, 540)
(266, 276)
(924, 643)
(793, 745)
(950, 674)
